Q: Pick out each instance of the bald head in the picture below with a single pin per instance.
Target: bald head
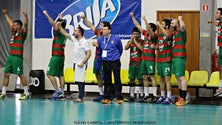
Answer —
(174, 24)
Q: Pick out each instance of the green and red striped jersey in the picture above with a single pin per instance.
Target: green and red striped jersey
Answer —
(58, 44)
(164, 48)
(17, 42)
(219, 37)
(179, 44)
(148, 52)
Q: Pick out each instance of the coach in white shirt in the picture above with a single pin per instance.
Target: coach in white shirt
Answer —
(82, 53)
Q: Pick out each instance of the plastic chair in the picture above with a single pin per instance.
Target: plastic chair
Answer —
(69, 78)
(214, 79)
(173, 79)
(157, 79)
(124, 76)
(90, 76)
(69, 75)
(198, 78)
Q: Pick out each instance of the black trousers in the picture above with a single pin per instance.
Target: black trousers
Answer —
(108, 68)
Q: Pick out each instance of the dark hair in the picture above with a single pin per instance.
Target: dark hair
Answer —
(135, 29)
(220, 9)
(153, 26)
(167, 22)
(81, 30)
(19, 22)
(106, 24)
(63, 24)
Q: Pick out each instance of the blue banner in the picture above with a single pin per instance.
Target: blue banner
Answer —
(114, 11)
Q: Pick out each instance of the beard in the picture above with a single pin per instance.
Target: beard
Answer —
(174, 28)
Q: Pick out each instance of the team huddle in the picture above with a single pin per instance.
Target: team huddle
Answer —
(164, 51)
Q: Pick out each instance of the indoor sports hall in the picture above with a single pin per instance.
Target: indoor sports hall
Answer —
(34, 95)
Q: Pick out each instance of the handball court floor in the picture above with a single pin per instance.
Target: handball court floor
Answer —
(41, 111)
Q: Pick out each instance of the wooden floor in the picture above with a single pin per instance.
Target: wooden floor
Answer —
(41, 111)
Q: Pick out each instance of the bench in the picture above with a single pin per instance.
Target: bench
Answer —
(197, 79)
(90, 78)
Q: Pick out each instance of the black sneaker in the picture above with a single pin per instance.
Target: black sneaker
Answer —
(146, 99)
(153, 99)
(130, 99)
(62, 97)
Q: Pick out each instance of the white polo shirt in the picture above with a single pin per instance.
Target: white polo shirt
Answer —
(80, 48)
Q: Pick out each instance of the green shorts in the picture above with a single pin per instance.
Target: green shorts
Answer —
(219, 61)
(178, 66)
(148, 67)
(94, 68)
(14, 64)
(135, 72)
(56, 65)
(164, 68)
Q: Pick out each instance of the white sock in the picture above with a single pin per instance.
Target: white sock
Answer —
(169, 94)
(141, 91)
(57, 90)
(146, 91)
(132, 91)
(220, 84)
(162, 93)
(26, 90)
(62, 90)
(4, 89)
(101, 92)
(155, 91)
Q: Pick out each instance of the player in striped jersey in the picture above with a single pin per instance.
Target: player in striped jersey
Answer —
(148, 58)
(218, 23)
(14, 63)
(179, 57)
(56, 64)
(164, 59)
(134, 64)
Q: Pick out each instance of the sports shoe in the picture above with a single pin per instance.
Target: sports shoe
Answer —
(218, 92)
(153, 99)
(181, 102)
(106, 101)
(2, 96)
(56, 95)
(62, 97)
(98, 98)
(160, 100)
(167, 101)
(140, 99)
(25, 96)
(78, 100)
(120, 101)
(145, 99)
(129, 99)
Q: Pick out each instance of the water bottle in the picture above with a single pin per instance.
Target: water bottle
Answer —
(137, 95)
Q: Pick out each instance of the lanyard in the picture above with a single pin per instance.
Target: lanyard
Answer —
(106, 42)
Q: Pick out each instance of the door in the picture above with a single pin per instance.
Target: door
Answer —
(192, 22)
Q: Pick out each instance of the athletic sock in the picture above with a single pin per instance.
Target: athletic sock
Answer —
(132, 91)
(101, 92)
(26, 90)
(169, 94)
(162, 93)
(146, 91)
(4, 89)
(155, 91)
(141, 91)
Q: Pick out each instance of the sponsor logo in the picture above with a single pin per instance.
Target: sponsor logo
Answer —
(95, 11)
(34, 81)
